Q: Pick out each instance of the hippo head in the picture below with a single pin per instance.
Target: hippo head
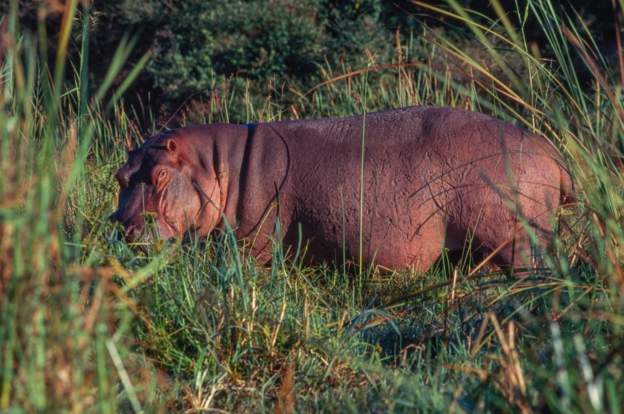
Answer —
(162, 182)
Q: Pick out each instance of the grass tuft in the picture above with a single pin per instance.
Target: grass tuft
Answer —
(87, 323)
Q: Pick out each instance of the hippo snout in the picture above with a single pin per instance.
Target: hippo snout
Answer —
(131, 232)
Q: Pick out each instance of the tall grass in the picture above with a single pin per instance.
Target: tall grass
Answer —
(89, 324)
(61, 328)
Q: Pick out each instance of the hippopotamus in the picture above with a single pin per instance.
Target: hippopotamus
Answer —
(392, 188)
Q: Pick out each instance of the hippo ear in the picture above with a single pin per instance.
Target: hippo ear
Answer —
(170, 145)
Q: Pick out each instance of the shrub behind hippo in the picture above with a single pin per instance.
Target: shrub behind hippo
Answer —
(432, 177)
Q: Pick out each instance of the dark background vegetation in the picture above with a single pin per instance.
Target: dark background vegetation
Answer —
(89, 323)
(203, 50)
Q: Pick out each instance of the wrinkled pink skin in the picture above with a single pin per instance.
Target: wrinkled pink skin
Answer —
(432, 177)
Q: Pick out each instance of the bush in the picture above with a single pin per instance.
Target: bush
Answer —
(199, 43)
(206, 48)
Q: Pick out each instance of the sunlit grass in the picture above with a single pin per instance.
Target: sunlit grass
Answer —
(87, 323)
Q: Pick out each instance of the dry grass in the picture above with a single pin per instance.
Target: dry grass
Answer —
(89, 324)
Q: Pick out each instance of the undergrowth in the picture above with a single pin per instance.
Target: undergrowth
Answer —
(88, 323)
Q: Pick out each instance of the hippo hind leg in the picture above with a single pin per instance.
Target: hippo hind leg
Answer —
(517, 237)
(518, 248)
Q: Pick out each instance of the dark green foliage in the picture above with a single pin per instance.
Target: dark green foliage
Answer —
(91, 324)
(199, 43)
(206, 48)
(203, 41)
(352, 27)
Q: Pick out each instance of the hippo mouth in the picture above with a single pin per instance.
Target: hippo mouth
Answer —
(171, 228)
(148, 231)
